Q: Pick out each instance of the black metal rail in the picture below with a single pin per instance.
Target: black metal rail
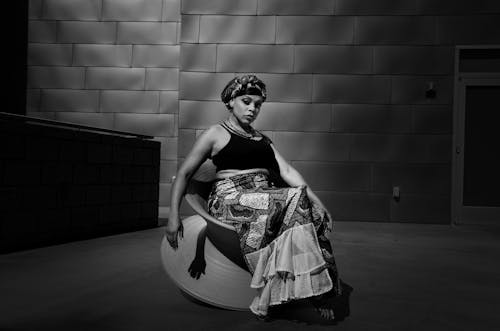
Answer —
(15, 117)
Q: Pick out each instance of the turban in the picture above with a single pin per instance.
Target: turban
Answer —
(246, 84)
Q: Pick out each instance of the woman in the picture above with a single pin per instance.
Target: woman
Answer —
(282, 230)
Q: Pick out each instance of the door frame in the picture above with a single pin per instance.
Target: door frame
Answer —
(467, 214)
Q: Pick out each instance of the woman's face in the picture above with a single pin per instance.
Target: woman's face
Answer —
(246, 108)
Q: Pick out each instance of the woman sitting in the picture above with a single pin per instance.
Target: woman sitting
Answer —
(281, 224)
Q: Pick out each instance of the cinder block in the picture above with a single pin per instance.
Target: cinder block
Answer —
(50, 54)
(165, 194)
(379, 7)
(11, 199)
(237, 29)
(99, 153)
(351, 89)
(454, 7)
(169, 102)
(110, 173)
(432, 119)
(149, 124)
(56, 77)
(42, 31)
(439, 148)
(288, 87)
(42, 197)
(33, 97)
(421, 209)
(98, 194)
(115, 78)
(234, 7)
(121, 193)
(147, 33)
(103, 55)
(21, 173)
(249, 58)
(78, 10)
(395, 30)
(346, 206)
(424, 179)
(371, 118)
(162, 79)
(333, 59)
(132, 10)
(89, 119)
(190, 31)
(186, 140)
(411, 90)
(42, 149)
(171, 10)
(335, 176)
(70, 100)
(468, 29)
(202, 86)
(307, 117)
(156, 56)
(129, 101)
(140, 192)
(57, 173)
(201, 114)
(72, 151)
(34, 9)
(168, 148)
(312, 146)
(399, 148)
(314, 30)
(86, 32)
(168, 169)
(198, 57)
(295, 7)
(413, 60)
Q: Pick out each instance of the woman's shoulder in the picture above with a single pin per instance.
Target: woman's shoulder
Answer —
(214, 132)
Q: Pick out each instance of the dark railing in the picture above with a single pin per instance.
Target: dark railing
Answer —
(35, 120)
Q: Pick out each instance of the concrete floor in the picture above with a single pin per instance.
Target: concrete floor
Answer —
(405, 277)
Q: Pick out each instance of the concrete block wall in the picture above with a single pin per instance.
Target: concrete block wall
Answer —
(59, 185)
(110, 64)
(346, 81)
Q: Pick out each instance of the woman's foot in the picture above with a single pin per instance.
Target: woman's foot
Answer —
(324, 306)
(326, 313)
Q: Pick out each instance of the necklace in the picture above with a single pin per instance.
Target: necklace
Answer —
(252, 134)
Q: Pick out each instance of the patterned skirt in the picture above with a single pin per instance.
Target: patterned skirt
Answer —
(283, 238)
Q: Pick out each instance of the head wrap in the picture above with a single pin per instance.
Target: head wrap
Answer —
(246, 84)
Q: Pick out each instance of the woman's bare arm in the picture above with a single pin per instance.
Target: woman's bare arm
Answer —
(199, 153)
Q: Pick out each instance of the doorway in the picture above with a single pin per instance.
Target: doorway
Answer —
(476, 138)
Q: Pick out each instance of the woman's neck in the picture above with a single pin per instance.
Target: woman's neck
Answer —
(236, 124)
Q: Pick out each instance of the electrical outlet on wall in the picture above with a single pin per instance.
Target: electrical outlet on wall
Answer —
(395, 193)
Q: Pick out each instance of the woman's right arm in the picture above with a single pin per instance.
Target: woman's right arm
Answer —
(199, 153)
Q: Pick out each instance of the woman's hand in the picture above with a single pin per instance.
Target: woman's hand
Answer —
(197, 267)
(173, 231)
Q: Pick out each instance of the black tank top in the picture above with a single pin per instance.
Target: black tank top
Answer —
(244, 153)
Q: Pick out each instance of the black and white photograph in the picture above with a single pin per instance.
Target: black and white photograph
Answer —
(250, 165)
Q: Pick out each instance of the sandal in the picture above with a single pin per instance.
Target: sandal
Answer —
(324, 306)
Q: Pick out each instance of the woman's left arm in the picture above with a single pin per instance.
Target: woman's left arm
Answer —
(293, 178)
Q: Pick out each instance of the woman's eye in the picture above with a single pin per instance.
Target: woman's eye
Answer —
(247, 102)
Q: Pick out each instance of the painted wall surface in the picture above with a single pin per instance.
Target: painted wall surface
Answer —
(346, 79)
(110, 64)
(346, 82)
